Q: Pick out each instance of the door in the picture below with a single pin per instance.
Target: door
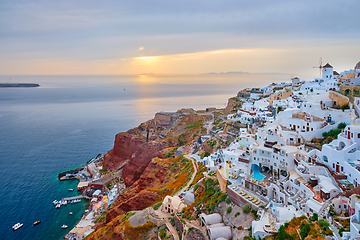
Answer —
(307, 129)
(337, 168)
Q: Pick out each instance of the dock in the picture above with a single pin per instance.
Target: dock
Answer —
(75, 198)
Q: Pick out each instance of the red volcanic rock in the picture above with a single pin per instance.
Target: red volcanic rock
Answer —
(136, 152)
(139, 197)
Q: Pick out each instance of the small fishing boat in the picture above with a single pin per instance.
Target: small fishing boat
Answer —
(17, 226)
(36, 223)
(70, 213)
(64, 226)
(71, 190)
(58, 205)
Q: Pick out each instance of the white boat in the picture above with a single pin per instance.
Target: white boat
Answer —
(58, 205)
(64, 226)
(55, 202)
(17, 226)
(71, 190)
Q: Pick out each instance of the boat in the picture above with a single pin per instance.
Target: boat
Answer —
(17, 226)
(70, 213)
(64, 226)
(58, 205)
(36, 223)
(71, 190)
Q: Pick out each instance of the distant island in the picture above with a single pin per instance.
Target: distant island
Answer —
(19, 85)
(243, 73)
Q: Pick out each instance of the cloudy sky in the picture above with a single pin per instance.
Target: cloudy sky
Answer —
(177, 37)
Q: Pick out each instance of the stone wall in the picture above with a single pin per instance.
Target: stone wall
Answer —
(338, 99)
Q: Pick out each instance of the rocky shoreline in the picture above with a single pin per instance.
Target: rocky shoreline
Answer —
(149, 158)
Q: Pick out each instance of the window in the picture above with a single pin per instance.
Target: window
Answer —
(254, 158)
(358, 135)
(342, 168)
(303, 127)
(275, 164)
(333, 165)
(312, 129)
(352, 135)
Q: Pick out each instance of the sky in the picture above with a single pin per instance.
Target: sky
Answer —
(71, 37)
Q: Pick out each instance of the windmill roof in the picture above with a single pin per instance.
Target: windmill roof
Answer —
(335, 73)
(327, 66)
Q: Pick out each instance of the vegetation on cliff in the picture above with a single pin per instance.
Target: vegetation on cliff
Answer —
(162, 177)
(301, 228)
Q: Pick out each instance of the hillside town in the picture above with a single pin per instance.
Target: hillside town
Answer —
(298, 154)
(289, 153)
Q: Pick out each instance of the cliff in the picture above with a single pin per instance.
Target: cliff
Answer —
(150, 169)
(134, 153)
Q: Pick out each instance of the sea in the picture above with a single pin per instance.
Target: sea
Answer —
(70, 119)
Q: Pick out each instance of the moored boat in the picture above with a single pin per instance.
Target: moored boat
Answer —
(64, 226)
(71, 190)
(36, 223)
(17, 226)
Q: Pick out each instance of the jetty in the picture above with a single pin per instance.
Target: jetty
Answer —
(75, 198)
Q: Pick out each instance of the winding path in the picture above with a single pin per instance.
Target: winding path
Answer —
(165, 216)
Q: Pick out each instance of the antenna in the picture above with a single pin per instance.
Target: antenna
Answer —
(320, 66)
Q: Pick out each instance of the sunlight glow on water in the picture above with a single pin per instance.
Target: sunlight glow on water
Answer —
(70, 119)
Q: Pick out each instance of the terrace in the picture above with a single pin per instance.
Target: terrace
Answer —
(246, 196)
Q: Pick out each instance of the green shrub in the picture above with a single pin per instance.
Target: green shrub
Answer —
(229, 209)
(282, 234)
(246, 209)
(157, 205)
(228, 200)
(237, 214)
(323, 223)
(315, 217)
(162, 233)
(341, 230)
(342, 125)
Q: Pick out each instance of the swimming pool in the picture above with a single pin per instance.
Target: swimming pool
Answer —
(256, 173)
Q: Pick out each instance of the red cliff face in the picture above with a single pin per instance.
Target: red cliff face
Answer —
(139, 196)
(134, 153)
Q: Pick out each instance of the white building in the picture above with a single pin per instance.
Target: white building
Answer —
(342, 155)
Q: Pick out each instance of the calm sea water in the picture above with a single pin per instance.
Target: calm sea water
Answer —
(69, 120)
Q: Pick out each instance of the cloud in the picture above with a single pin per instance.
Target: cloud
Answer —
(89, 30)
